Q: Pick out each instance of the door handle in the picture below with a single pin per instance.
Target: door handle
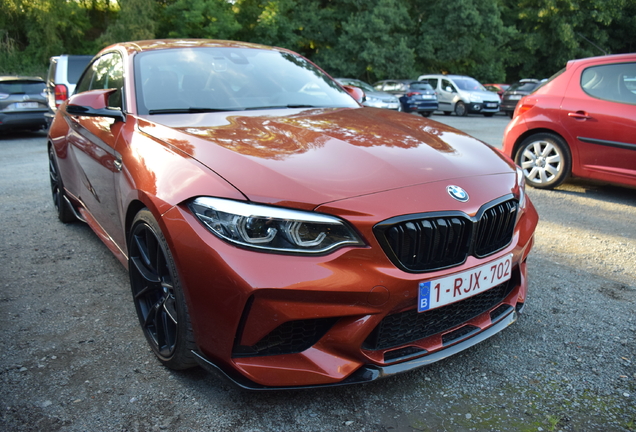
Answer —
(118, 164)
(579, 115)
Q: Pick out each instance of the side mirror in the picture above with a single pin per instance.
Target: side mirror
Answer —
(94, 103)
(449, 89)
(356, 93)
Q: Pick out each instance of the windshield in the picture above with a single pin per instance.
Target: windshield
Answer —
(468, 84)
(231, 79)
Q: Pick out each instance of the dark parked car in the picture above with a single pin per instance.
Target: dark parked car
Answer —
(415, 96)
(515, 92)
(581, 122)
(373, 98)
(22, 103)
(275, 230)
(497, 88)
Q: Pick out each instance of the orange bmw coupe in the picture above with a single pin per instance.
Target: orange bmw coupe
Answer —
(274, 229)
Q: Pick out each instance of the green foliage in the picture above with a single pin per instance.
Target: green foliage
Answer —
(492, 40)
(136, 20)
(213, 19)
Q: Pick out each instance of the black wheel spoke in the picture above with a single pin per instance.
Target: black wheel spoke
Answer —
(146, 273)
(153, 290)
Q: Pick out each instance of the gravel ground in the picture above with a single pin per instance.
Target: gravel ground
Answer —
(72, 357)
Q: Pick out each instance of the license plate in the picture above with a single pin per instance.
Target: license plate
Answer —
(23, 105)
(515, 97)
(491, 105)
(428, 97)
(460, 286)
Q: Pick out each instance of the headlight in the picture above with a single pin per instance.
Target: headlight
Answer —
(475, 98)
(521, 182)
(273, 229)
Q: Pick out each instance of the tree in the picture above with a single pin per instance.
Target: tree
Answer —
(213, 19)
(462, 37)
(136, 20)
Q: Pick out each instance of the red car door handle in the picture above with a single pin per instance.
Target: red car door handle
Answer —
(579, 115)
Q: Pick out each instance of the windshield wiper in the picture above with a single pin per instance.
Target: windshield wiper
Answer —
(190, 110)
(282, 107)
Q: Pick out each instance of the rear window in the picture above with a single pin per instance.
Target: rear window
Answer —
(76, 66)
(523, 86)
(420, 86)
(22, 87)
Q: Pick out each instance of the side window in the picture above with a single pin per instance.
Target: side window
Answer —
(85, 82)
(432, 82)
(378, 86)
(391, 86)
(447, 85)
(614, 82)
(107, 72)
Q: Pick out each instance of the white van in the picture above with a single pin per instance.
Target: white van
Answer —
(462, 95)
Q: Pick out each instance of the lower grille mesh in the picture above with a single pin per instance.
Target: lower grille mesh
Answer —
(410, 326)
(288, 338)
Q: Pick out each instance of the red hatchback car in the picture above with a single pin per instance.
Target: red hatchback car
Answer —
(274, 229)
(581, 122)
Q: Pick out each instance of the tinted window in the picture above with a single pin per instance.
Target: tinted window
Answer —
(421, 86)
(76, 66)
(21, 87)
(523, 86)
(615, 82)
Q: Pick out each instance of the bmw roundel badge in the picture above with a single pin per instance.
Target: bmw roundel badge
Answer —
(458, 193)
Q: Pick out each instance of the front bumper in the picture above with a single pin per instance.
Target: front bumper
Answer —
(22, 120)
(482, 107)
(276, 321)
(368, 373)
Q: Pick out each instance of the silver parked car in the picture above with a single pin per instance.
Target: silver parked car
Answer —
(22, 103)
(64, 71)
(374, 98)
(462, 95)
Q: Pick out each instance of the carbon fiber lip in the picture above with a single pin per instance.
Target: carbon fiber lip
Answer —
(369, 373)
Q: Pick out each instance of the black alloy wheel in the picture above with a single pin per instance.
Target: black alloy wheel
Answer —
(460, 109)
(157, 294)
(62, 208)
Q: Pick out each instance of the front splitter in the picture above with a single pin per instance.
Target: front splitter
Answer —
(368, 373)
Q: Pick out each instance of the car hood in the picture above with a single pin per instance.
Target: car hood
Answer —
(486, 96)
(311, 157)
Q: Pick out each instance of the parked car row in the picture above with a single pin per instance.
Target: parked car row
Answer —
(30, 103)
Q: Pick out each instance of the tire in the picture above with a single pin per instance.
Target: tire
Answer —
(62, 208)
(510, 113)
(426, 113)
(157, 294)
(545, 160)
(460, 109)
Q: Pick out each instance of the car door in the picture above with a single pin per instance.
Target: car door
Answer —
(599, 111)
(93, 140)
(446, 95)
